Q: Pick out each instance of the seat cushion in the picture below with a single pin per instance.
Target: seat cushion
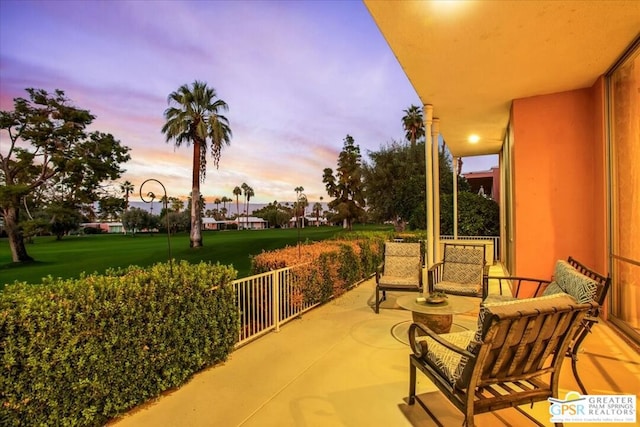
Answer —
(399, 282)
(449, 363)
(458, 288)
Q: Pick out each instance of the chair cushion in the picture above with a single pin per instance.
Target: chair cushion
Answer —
(552, 288)
(402, 249)
(458, 288)
(576, 284)
(464, 255)
(400, 282)
(449, 363)
(402, 266)
(463, 265)
(402, 260)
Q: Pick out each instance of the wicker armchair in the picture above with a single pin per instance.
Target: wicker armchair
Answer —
(400, 271)
(513, 358)
(461, 271)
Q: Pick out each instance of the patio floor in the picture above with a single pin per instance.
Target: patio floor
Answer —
(343, 365)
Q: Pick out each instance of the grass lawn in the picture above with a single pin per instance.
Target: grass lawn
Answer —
(76, 254)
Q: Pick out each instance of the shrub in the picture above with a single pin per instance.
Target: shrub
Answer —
(78, 352)
(326, 269)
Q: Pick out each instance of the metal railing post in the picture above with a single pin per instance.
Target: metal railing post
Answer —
(276, 299)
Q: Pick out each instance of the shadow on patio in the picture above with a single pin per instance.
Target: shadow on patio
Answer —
(343, 365)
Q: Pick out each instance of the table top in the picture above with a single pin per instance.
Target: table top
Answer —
(454, 305)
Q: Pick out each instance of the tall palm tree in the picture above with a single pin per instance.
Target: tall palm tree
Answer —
(317, 208)
(225, 200)
(194, 117)
(248, 194)
(127, 188)
(413, 124)
(298, 191)
(237, 191)
(245, 189)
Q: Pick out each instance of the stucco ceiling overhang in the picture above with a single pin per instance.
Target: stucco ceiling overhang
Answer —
(470, 59)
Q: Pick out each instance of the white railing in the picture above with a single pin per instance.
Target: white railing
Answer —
(265, 301)
(495, 239)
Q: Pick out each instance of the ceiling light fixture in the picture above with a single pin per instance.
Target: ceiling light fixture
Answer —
(473, 139)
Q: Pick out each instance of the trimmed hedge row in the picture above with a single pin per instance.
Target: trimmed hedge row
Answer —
(326, 269)
(79, 352)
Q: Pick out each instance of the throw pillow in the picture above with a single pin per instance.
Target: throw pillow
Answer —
(576, 284)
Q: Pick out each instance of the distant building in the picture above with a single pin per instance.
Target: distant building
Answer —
(251, 223)
(309, 221)
(486, 183)
(104, 227)
(214, 224)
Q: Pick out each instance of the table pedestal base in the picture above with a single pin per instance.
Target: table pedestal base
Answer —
(438, 323)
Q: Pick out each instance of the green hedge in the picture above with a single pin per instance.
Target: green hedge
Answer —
(324, 270)
(79, 352)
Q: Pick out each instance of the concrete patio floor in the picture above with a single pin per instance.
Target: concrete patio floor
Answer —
(343, 365)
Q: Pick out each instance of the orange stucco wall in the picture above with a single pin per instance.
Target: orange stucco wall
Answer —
(559, 180)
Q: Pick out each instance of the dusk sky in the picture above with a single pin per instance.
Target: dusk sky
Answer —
(297, 76)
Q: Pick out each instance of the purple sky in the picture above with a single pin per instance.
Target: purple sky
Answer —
(298, 77)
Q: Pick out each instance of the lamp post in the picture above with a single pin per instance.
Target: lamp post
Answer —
(152, 196)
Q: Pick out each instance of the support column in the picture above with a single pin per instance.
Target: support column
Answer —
(428, 150)
(435, 131)
(455, 198)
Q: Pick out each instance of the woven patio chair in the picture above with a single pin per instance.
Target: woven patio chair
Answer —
(574, 278)
(514, 357)
(461, 272)
(401, 270)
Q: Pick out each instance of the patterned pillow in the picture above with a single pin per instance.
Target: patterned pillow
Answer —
(553, 288)
(576, 284)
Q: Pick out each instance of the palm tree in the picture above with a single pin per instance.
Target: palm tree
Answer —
(237, 192)
(245, 189)
(194, 117)
(248, 194)
(317, 208)
(298, 191)
(225, 200)
(127, 188)
(413, 124)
